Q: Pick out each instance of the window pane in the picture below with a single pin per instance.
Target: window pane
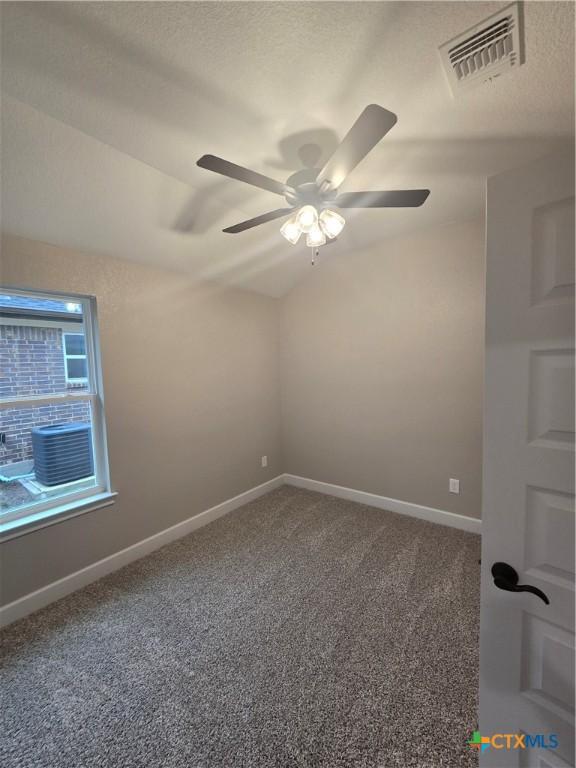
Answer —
(48, 453)
(76, 368)
(32, 354)
(74, 344)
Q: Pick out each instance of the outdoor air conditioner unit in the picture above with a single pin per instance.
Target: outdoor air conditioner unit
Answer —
(62, 453)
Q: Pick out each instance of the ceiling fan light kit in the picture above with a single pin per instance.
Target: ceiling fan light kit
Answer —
(315, 238)
(307, 218)
(316, 227)
(311, 194)
(291, 230)
(331, 222)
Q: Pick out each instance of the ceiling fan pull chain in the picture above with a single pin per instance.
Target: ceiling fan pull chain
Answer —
(314, 255)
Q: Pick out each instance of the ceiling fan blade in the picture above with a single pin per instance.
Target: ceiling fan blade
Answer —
(277, 214)
(233, 171)
(371, 126)
(398, 198)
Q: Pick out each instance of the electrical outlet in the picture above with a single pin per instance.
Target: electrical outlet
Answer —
(454, 485)
(264, 461)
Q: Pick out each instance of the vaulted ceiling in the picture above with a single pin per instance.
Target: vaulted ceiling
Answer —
(107, 106)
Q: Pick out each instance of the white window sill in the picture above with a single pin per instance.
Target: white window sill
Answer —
(36, 520)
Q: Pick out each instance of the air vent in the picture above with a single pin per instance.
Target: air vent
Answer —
(485, 51)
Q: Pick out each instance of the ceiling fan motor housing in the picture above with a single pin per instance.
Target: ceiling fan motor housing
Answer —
(303, 190)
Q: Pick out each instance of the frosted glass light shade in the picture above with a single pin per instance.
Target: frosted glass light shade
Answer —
(307, 218)
(291, 231)
(315, 237)
(331, 222)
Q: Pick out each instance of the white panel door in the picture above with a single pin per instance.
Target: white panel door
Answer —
(526, 646)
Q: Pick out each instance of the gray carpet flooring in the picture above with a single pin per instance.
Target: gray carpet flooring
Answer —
(300, 630)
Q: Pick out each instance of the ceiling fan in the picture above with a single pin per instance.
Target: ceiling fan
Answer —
(312, 193)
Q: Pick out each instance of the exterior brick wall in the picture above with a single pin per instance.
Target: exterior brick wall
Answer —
(18, 423)
(32, 363)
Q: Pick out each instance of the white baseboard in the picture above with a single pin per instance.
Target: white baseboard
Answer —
(74, 581)
(430, 514)
(65, 586)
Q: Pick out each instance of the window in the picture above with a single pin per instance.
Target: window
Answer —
(76, 366)
(53, 459)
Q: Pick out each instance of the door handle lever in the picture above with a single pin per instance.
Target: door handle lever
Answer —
(505, 577)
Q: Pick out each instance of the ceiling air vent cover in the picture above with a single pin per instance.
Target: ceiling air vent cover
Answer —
(485, 51)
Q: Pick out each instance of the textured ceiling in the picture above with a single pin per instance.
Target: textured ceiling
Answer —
(107, 107)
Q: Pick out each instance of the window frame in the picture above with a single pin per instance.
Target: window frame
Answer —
(40, 513)
(75, 381)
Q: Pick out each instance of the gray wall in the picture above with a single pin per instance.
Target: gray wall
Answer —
(375, 360)
(382, 357)
(192, 403)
